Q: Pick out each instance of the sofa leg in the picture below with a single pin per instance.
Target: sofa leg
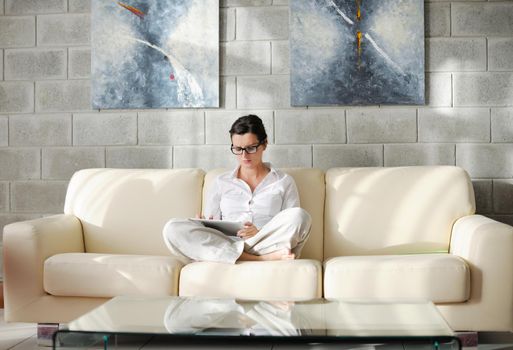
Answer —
(468, 339)
(45, 332)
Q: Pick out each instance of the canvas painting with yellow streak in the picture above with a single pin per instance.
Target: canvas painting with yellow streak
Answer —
(155, 53)
(357, 52)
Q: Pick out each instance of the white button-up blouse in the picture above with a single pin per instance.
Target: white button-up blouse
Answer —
(230, 198)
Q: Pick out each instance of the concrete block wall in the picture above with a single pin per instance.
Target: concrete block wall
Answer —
(48, 129)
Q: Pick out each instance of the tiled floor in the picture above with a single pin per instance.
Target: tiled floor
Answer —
(22, 336)
(15, 335)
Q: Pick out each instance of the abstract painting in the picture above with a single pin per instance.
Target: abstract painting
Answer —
(356, 52)
(155, 53)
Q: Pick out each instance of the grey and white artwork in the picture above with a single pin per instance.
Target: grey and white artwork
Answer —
(155, 53)
(356, 52)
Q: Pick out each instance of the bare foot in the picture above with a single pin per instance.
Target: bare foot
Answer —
(282, 254)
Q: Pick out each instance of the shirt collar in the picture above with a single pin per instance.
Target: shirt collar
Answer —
(233, 174)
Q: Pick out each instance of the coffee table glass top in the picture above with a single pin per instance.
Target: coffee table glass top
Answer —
(228, 317)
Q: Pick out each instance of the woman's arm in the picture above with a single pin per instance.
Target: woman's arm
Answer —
(291, 194)
(213, 201)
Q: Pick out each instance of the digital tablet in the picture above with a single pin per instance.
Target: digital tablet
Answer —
(229, 228)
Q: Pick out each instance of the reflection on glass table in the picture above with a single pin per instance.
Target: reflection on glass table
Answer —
(320, 320)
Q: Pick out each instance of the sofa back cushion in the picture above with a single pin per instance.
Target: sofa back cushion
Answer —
(123, 211)
(400, 210)
(311, 187)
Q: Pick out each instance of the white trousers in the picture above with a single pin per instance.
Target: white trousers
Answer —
(191, 241)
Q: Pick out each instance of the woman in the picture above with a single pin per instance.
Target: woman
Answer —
(264, 198)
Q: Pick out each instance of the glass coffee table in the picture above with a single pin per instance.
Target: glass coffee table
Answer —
(194, 320)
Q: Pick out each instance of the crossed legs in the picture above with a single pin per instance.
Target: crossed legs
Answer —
(281, 238)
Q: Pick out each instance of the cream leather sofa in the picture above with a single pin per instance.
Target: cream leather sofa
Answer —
(406, 232)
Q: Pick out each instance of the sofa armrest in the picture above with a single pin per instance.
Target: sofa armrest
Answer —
(26, 245)
(487, 246)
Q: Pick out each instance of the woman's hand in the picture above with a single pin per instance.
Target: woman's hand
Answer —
(199, 216)
(248, 231)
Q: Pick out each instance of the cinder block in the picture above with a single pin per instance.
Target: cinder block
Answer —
(17, 31)
(206, 157)
(23, 7)
(503, 196)
(310, 126)
(483, 194)
(20, 163)
(263, 23)
(227, 25)
(218, 124)
(502, 124)
(62, 96)
(40, 130)
(79, 62)
(280, 2)
(269, 92)
(79, 5)
(246, 58)
(483, 89)
(59, 163)
(140, 157)
(171, 127)
(455, 54)
(420, 154)
(454, 125)
(16, 97)
(97, 129)
(486, 160)
(482, 18)
(500, 51)
(289, 156)
(35, 64)
(331, 156)
(1, 63)
(66, 30)
(227, 95)
(38, 196)
(438, 90)
(227, 3)
(1, 7)
(381, 125)
(4, 131)
(437, 19)
(280, 57)
(4, 196)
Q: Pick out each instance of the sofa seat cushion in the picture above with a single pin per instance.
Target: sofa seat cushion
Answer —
(441, 278)
(252, 280)
(109, 275)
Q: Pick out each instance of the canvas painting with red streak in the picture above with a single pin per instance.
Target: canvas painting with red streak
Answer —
(155, 53)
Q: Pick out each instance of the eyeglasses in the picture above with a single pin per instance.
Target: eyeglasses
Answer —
(249, 149)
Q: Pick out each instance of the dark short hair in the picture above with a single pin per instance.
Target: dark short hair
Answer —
(249, 124)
